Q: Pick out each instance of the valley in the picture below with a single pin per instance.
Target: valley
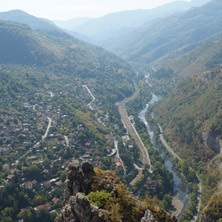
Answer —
(144, 118)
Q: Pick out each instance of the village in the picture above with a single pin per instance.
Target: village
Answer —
(37, 144)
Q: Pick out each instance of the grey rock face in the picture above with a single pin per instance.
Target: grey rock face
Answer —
(79, 209)
(77, 206)
(212, 141)
(78, 179)
(148, 217)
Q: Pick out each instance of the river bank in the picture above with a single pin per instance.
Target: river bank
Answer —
(181, 199)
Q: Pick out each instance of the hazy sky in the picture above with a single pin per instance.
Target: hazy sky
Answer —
(66, 9)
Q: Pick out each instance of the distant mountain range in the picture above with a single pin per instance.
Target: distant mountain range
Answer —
(20, 44)
(194, 62)
(72, 23)
(20, 16)
(114, 24)
(169, 38)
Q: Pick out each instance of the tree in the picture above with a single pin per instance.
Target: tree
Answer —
(44, 216)
(115, 213)
(6, 219)
(30, 216)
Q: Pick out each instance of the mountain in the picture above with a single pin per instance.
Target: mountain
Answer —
(71, 24)
(115, 24)
(191, 119)
(170, 37)
(21, 45)
(194, 62)
(25, 18)
(47, 78)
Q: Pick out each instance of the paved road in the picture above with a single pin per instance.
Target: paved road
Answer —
(166, 144)
(67, 140)
(48, 128)
(118, 156)
(93, 98)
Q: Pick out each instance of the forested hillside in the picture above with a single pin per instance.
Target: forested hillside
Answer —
(168, 38)
(47, 117)
(191, 119)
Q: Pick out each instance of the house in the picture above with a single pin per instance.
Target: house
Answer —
(130, 147)
(47, 184)
(88, 144)
(10, 177)
(3, 150)
(44, 206)
(55, 200)
(5, 167)
(28, 185)
(152, 185)
(59, 183)
(31, 157)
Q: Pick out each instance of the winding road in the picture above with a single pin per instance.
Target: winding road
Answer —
(48, 127)
(93, 98)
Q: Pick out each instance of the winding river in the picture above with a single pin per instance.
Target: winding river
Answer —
(180, 187)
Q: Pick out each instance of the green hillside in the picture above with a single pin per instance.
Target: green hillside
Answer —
(20, 45)
(114, 25)
(191, 119)
(22, 17)
(196, 61)
(45, 116)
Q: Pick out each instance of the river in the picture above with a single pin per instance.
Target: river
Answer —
(180, 187)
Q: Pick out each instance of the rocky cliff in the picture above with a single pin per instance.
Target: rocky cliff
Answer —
(93, 195)
(212, 140)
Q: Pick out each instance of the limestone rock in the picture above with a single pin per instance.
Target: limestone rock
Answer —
(78, 179)
(148, 217)
(77, 207)
(212, 141)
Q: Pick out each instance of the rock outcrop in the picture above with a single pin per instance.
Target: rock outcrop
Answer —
(79, 209)
(78, 179)
(83, 179)
(148, 217)
(77, 206)
(212, 141)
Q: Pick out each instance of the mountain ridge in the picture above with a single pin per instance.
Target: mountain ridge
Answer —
(23, 17)
(170, 37)
(113, 24)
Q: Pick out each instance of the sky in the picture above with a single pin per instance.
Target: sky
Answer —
(67, 9)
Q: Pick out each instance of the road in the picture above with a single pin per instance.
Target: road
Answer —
(51, 94)
(34, 106)
(166, 144)
(93, 98)
(134, 134)
(118, 156)
(67, 140)
(48, 128)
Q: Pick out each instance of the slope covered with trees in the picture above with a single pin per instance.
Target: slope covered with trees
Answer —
(45, 119)
(168, 38)
(191, 119)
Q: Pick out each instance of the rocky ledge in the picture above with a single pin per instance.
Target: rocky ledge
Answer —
(119, 206)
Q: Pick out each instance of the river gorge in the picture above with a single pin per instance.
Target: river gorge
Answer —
(181, 198)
